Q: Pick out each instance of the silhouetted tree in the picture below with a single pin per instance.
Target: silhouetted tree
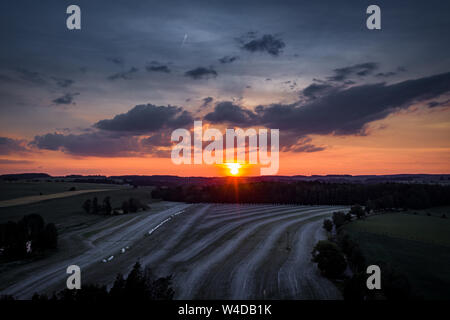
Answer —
(29, 235)
(330, 259)
(107, 206)
(357, 211)
(339, 219)
(95, 206)
(328, 225)
(87, 206)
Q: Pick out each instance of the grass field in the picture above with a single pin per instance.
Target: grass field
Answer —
(12, 190)
(416, 245)
(67, 212)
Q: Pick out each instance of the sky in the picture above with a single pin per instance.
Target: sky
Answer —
(105, 99)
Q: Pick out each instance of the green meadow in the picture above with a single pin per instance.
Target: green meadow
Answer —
(415, 243)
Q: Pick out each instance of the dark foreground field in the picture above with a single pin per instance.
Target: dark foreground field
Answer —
(415, 243)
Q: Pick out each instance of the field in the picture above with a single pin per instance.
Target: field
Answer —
(416, 245)
(67, 212)
(212, 250)
(13, 190)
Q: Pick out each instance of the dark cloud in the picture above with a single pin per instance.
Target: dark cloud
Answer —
(30, 76)
(295, 144)
(68, 98)
(315, 90)
(89, 144)
(106, 144)
(361, 70)
(206, 101)
(228, 112)
(155, 66)
(147, 118)
(201, 73)
(348, 110)
(390, 73)
(228, 59)
(267, 43)
(117, 60)
(10, 161)
(434, 104)
(385, 74)
(341, 111)
(10, 146)
(63, 83)
(125, 75)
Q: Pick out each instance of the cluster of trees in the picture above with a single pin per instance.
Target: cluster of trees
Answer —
(28, 236)
(372, 196)
(340, 218)
(139, 286)
(334, 255)
(92, 206)
(329, 258)
(131, 205)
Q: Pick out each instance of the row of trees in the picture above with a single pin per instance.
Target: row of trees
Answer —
(131, 205)
(372, 196)
(28, 236)
(139, 286)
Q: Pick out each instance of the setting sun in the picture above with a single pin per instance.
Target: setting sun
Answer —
(233, 168)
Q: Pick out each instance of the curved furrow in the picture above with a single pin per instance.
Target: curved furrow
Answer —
(201, 265)
(219, 211)
(223, 274)
(251, 214)
(168, 246)
(237, 212)
(205, 241)
(203, 237)
(299, 276)
(245, 275)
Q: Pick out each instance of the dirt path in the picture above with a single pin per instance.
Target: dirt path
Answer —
(32, 199)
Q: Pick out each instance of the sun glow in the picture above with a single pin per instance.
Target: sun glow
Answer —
(233, 168)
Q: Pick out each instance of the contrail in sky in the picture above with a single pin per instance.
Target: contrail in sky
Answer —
(184, 39)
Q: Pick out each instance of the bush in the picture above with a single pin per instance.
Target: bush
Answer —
(27, 236)
(339, 219)
(87, 206)
(358, 211)
(330, 259)
(328, 225)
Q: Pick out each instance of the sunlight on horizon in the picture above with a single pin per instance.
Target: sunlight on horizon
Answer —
(233, 168)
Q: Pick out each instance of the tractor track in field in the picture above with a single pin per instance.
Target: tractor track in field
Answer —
(213, 251)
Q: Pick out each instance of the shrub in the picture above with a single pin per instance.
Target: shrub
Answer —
(330, 259)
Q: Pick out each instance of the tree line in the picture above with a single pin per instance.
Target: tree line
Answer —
(375, 196)
(131, 205)
(29, 236)
(139, 286)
